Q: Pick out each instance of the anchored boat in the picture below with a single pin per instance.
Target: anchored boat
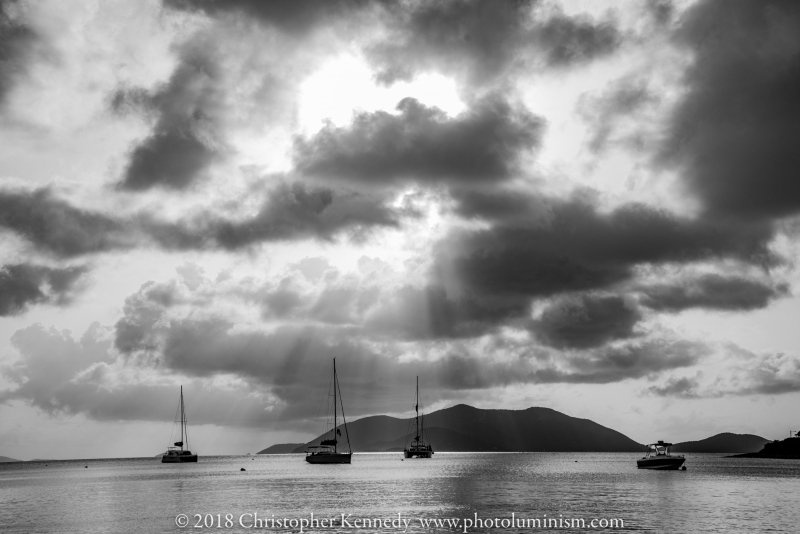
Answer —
(658, 457)
(328, 451)
(418, 447)
(177, 454)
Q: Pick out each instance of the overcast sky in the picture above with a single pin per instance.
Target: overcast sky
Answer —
(583, 205)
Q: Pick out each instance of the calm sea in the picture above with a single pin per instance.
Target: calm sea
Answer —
(379, 492)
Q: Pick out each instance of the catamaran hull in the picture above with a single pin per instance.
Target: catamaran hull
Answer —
(419, 454)
(334, 458)
(179, 459)
(663, 464)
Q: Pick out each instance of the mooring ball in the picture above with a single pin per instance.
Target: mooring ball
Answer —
(242, 469)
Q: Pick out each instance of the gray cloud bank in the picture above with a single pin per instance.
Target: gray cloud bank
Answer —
(732, 135)
(730, 138)
(16, 41)
(770, 373)
(289, 211)
(23, 285)
(275, 374)
(423, 144)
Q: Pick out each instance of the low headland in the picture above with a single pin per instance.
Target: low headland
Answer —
(787, 449)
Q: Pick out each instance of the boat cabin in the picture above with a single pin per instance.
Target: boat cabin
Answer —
(320, 449)
(176, 451)
(658, 449)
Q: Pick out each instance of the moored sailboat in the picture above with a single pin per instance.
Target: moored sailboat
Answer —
(177, 454)
(328, 451)
(418, 447)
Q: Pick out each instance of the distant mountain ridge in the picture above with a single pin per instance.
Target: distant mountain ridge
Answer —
(7, 459)
(725, 442)
(465, 428)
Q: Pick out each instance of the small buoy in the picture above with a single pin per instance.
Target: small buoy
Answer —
(683, 468)
(242, 469)
(86, 467)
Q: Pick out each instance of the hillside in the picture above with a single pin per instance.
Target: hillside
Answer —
(787, 449)
(725, 442)
(464, 428)
(281, 448)
(7, 459)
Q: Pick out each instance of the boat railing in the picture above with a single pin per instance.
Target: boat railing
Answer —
(660, 449)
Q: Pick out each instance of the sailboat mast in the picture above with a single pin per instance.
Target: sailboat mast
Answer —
(183, 416)
(416, 407)
(335, 441)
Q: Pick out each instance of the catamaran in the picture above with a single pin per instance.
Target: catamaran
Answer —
(329, 451)
(418, 447)
(177, 454)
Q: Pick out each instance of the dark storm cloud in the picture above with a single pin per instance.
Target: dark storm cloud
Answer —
(733, 136)
(712, 291)
(55, 226)
(483, 40)
(571, 246)
(290, 211)
(22, 285)
(478, 37)
(183, 141)
(15, 40)
(423, 144)
(289, 15)
(586, 321)
(662, 11)
(508, 206)
(170, 158)
(571, 40)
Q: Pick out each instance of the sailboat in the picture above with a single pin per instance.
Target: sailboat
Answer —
(329, 451)
(418, 447)
(177, 454)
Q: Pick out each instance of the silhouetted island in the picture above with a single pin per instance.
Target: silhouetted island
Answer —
(788, 449)
(7, 459)
(281, 448)
(725, 442)
(463, 428)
